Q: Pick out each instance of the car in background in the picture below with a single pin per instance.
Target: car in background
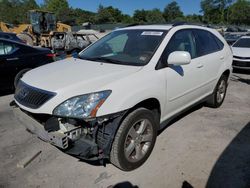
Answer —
(232, 37)
(241, 53)
(17, 58)
(10, 36)
(72, 41)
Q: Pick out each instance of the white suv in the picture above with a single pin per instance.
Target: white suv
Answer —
(109, 102)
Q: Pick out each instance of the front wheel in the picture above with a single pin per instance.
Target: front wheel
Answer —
(219, 93)
(134, 140)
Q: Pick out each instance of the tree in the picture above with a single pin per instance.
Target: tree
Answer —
(194, 18)
(59, 7)
(172, 12)
(214, 10)
(154, 16)
(111, 15)
(103, 15)
(140, 16)
(239, 12)
(81, 16)
(15, 11)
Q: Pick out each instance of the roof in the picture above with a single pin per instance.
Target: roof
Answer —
(154, 27)
(166, 26)
(7, 33)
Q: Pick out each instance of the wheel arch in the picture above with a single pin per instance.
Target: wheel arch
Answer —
(151, 104)
(226, 73)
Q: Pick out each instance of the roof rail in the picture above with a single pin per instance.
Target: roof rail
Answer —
(134, 24)
(174, 24)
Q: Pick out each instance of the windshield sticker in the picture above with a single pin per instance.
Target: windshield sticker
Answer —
(152, 33)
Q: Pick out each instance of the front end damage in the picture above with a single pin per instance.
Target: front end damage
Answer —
(85, 139)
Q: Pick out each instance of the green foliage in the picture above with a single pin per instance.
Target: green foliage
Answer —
(172, 12)
(15, 11)
(155, 16)
(239, 12)
(214, 11)
(140, 16)
(110, 15)
(193, 18)
(148, 16)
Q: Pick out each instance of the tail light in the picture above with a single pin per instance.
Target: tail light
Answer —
(51, 55)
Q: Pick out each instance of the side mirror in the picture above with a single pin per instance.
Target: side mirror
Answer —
(179, 58)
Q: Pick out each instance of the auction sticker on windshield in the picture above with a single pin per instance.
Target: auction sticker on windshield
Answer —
(152, 33)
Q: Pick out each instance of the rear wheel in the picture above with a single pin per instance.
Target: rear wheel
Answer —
(134, 140)
(219, 93)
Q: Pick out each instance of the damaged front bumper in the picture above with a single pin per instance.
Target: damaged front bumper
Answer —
(90, 140)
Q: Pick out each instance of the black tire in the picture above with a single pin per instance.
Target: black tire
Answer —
(215, 100)
(122, 138)
(19, 76)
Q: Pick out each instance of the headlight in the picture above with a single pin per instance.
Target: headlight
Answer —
(84, 106)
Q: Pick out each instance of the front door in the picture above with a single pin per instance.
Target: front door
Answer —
(183, 83)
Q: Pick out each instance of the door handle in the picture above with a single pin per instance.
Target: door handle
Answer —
(199, 65)
(222, 57)
(12, 59)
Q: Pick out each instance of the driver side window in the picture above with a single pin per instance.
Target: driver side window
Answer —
(182, 40)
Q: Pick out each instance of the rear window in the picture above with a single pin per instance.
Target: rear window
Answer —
(207, 43)
(6, 48)
(242, 43)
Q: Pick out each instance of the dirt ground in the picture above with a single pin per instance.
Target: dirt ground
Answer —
(204, 148)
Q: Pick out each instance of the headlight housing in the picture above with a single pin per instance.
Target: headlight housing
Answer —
(83, 106)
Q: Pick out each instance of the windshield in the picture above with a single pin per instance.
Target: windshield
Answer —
(242, 43)
(128, 47)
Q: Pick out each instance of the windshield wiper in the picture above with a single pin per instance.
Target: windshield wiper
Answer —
(103, 59)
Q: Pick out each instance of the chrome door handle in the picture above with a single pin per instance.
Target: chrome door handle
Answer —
(13, 59)
(199, 65)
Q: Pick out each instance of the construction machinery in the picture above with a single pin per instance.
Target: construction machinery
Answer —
(40, 30)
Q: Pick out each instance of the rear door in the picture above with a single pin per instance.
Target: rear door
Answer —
(211, 55)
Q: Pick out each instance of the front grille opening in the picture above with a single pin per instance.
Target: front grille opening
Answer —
(32, 97)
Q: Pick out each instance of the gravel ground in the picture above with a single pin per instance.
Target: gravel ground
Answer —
(204, 148)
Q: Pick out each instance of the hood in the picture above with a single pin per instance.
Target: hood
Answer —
(78, 76)
(241, 52)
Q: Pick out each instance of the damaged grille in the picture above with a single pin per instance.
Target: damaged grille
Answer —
(31, 97)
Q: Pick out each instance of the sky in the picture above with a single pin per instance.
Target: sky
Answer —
(128, 6)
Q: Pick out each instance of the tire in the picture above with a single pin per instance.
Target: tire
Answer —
(26, 38)
(19, 76)
(218, 96)
(129, 149)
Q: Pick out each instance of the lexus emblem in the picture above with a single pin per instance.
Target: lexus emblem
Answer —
(23, 93)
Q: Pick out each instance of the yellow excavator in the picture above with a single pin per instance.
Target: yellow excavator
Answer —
(40, 30)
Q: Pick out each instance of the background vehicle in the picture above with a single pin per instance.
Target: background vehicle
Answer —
(10, 36)
(111, 100)
(72, 41)
(232, 37)
(16, 58)
(39, 31)
(241, 53)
